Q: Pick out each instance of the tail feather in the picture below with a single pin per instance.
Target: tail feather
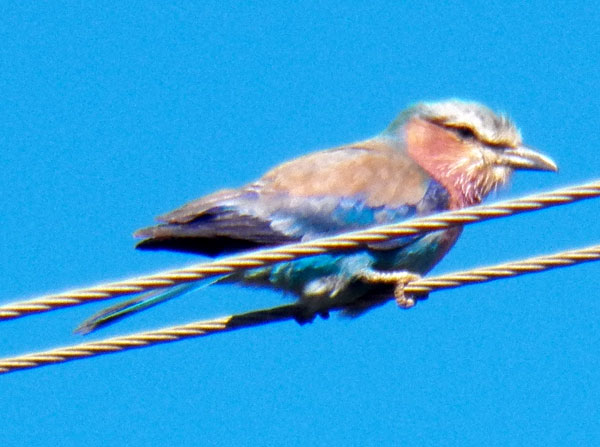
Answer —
(121, 310)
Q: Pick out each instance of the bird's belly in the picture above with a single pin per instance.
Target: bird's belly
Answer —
(336, 275)
(419, 256)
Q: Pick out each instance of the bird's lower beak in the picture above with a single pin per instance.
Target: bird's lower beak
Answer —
(525, 158)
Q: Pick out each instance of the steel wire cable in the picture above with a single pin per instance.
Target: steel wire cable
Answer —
(259, 258)
(281, 313)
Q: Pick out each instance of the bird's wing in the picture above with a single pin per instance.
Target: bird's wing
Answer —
(324, 193)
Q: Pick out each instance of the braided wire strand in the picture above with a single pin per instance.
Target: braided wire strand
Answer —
(260, 258)
(149, 338)
(281, 313)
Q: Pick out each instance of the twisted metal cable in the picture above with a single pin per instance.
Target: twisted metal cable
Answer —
(142, 339)
(507, 270)
(281, 313)
(260, 258)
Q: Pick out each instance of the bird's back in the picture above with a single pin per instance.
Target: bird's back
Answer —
(323, 193)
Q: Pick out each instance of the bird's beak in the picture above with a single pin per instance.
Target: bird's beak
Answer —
(525, 158)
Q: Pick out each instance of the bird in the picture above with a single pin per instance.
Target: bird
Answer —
(434, 157)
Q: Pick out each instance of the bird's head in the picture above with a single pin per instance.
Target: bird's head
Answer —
(466, 147)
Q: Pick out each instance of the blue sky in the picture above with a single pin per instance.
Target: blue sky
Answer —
(113, 114)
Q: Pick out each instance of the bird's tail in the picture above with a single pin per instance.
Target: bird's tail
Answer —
(114, 313)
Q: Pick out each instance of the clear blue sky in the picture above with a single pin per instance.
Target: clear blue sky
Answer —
(111, 115)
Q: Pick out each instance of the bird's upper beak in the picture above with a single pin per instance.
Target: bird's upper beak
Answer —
(525, 158)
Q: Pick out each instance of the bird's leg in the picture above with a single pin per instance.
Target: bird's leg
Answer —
(399, 278)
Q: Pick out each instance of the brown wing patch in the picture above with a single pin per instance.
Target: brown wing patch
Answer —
(379, 172)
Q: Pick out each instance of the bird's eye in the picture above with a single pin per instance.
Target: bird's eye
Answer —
(466, 133)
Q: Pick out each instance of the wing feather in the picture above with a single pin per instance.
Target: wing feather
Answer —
(320, 194)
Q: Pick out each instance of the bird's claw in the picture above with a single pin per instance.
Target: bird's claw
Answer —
(402, 299)
(400, 279)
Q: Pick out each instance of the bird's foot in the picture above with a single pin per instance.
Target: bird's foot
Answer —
(402, 299)
(400, 279)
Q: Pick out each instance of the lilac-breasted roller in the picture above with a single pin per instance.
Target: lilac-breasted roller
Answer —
(433, 157)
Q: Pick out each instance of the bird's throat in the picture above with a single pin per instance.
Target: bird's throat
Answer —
(451, 162)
